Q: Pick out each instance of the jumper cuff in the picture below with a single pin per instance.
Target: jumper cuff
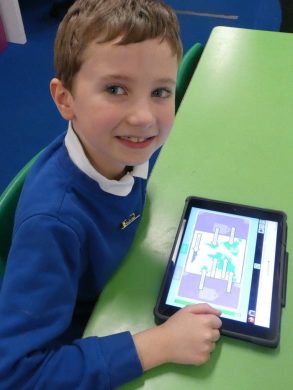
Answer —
(121, 358)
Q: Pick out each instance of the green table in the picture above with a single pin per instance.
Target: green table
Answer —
(232, 140)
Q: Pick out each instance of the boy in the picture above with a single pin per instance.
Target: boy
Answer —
(116, 63)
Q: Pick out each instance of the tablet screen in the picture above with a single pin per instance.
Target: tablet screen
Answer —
(234, 258)
(228, 261)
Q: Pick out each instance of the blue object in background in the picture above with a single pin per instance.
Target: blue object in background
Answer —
(198, 17)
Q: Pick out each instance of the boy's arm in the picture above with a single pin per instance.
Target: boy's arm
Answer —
(37, 301)
(188, 337)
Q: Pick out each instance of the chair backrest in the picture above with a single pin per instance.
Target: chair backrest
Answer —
(8, 203)
(186, 70)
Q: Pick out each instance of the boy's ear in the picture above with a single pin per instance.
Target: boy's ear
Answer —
(62, 98)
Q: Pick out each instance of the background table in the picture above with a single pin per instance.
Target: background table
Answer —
(233, 141)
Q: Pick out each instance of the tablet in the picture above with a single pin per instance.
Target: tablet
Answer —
(234, 258)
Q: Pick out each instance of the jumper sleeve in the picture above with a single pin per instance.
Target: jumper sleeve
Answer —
(37, 302)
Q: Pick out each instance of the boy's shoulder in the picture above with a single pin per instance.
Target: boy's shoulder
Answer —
(57, 188)
(50, 180)
(60, 204)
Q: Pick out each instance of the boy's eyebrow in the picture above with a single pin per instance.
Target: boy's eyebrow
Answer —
(167, 81)
(164, 80)
(116, 77)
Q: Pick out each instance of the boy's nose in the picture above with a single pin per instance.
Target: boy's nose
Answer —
(141, 115)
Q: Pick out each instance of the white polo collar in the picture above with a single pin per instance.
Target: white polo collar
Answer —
(120, 187)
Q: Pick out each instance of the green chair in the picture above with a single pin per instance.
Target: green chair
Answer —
(8, 203)
(186, 70)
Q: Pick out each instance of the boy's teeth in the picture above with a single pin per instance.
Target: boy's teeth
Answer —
(134, 139)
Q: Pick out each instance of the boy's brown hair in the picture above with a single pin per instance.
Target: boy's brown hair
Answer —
(105, 20)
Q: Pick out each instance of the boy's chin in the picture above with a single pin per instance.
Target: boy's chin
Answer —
(137, 162)
(142, 159)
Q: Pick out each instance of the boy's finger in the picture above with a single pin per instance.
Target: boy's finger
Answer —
(216, 335)
(215, 321)
(202, 308)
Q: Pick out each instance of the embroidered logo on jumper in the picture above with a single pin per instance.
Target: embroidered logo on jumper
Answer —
(129, 220)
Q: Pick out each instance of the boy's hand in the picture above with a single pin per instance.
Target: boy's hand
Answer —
(192, 334)
(188, 337)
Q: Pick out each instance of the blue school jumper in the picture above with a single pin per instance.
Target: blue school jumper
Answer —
(67, 243)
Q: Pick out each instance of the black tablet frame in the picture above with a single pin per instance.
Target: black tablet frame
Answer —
(246, 331)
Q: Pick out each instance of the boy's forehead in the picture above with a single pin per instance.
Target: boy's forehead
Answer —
(152, 50)
(147, 62)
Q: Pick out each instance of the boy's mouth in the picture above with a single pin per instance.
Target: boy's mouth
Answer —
(135, 139)
(135, 142)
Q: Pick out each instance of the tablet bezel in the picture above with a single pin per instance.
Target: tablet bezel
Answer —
(257, 334)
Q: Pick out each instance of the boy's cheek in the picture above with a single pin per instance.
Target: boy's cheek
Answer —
(166, 132)
(171, 121)
(169, 114)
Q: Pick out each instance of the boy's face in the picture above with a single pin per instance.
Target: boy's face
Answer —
(122, 104)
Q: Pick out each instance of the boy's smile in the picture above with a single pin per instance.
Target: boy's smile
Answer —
(122, 103)
(136, 142)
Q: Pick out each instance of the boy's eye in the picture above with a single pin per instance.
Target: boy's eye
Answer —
(162, 93)
(115, 90)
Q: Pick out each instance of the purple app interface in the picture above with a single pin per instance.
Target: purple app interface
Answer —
(227, 261)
